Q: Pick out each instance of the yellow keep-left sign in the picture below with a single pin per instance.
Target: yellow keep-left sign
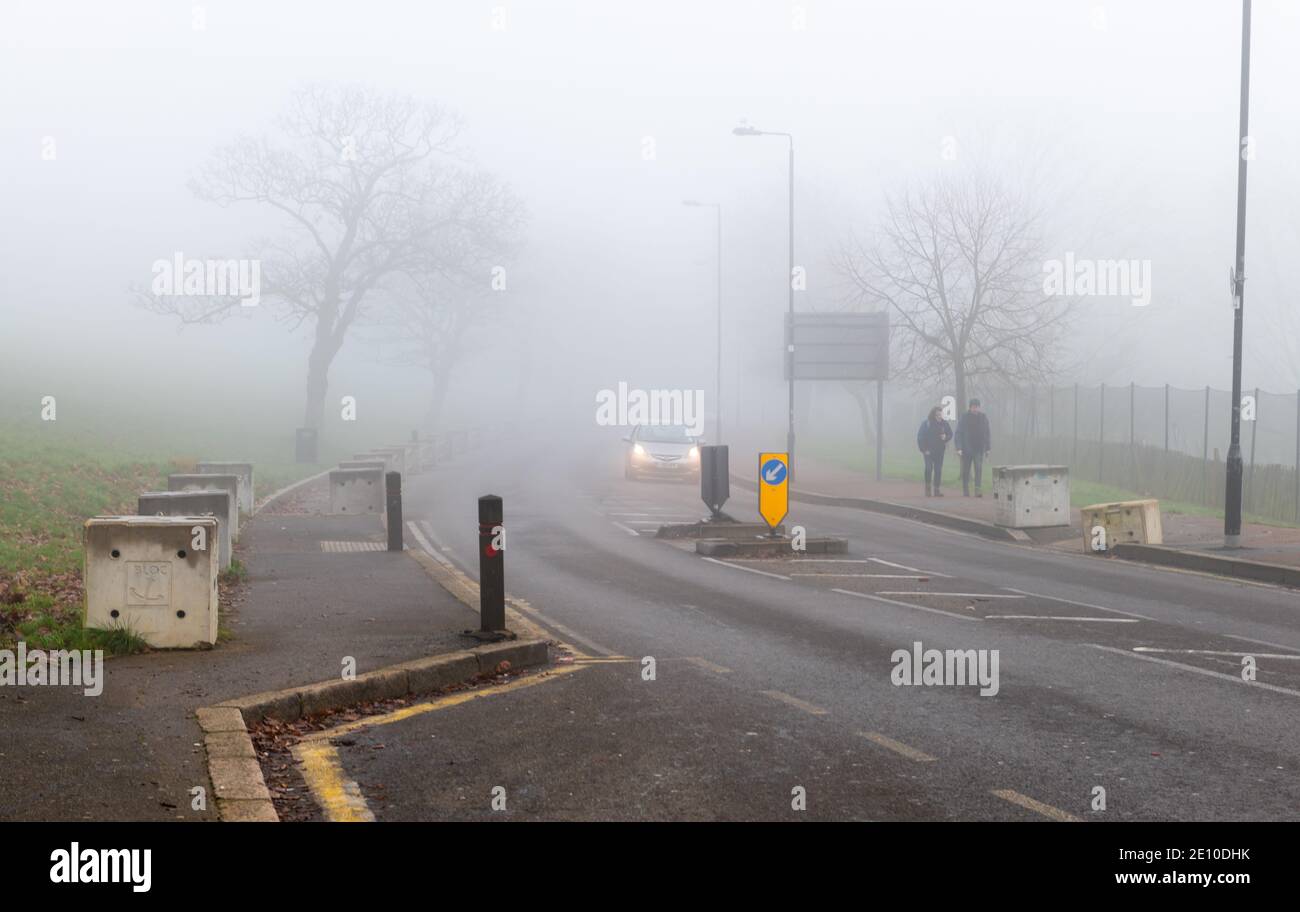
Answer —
(773, 487)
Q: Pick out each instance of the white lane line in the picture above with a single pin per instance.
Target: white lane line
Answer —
(1064, 601)
(863, 576)
(1037, 807)
(1217, 652)
(433, 537)
(425, 544)
(897, 747)
(708, 666)
(625, 528)
(673, 515)
(974, 595)
(877, 560)
(1261, 642)
(876, 598)
(714, 560)
(1235, 679)
(795, 702)
(1057, 617)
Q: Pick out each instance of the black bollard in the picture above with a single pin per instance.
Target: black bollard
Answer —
(393, 506)
(491, 565)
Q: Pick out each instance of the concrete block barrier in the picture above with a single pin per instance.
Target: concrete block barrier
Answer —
(396, 457)
(244, 470)
(211, 481)
(194, 503)
(144, 573)
(357, 491)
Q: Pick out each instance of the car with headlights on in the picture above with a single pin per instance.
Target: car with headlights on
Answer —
(662, 451)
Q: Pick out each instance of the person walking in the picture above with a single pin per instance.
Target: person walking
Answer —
(932, 439)
(973, 441)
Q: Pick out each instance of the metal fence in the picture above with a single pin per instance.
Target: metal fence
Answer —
(1163, 441)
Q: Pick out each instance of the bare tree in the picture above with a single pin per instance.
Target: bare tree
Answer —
(959, 262)
(452, 289)
(368, 186)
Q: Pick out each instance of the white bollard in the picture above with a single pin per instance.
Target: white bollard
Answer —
(209, 481)
(193, 503)
(245, 472)
(147, 574)
(357, 491)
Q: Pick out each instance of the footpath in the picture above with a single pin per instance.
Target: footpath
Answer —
(320, 588)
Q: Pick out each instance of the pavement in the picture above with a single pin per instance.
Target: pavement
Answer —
(725, 689)
(313, 597)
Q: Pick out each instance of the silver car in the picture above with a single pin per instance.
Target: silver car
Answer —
(662, 451)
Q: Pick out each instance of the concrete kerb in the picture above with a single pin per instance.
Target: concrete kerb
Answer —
(904, 511)
(237, 780)
(1214, 564)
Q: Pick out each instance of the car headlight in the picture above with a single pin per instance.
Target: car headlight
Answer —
(638, 450)
(695, 454)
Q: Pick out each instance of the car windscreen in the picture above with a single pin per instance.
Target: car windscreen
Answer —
(664, 433)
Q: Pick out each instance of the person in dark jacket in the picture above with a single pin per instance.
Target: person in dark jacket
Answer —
(973, 441)
(932, 439)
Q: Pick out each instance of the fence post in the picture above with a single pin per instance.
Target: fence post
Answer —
(1101, 437)
(491, 566)
(1250, 477)
(1205, 450)
(880, 428)
(1132, 437)
(1074, 451)
(1166, 419)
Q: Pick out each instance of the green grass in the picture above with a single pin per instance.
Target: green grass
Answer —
(235, 573)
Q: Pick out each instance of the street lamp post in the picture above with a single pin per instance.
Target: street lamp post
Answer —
(1232, 495)
(789, 281)
(717, 389)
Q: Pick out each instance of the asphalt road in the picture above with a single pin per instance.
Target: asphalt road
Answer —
(773, 678)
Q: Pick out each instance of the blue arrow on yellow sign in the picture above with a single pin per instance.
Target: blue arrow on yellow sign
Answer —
(773, 487)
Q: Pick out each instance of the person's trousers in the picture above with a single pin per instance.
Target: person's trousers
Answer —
(933, 469)
(967, 459)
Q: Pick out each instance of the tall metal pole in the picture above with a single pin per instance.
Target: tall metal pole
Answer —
(718, 390)
(1232, 493)
(789, 281)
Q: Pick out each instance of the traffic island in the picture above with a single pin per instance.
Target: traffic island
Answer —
(707, 528)
(770, 547)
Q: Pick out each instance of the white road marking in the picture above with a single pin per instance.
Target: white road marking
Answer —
(708, 666)
(714, 560)
(863, 576)
(1217, 652)
(897, 747)
(1064, 601)
(625, 528)
(1235, 679)
(974, 595)
(1037, 807)
(876, 598)
(877, 560)
(1261, 642)
(1057, 617)
(795, 702)
(426, 545)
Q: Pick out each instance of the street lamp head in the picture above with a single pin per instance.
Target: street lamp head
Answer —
(746, 130)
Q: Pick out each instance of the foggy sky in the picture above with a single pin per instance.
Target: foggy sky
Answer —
(1132, 129)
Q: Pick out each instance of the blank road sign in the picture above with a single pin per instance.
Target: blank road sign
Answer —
(842, 346)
